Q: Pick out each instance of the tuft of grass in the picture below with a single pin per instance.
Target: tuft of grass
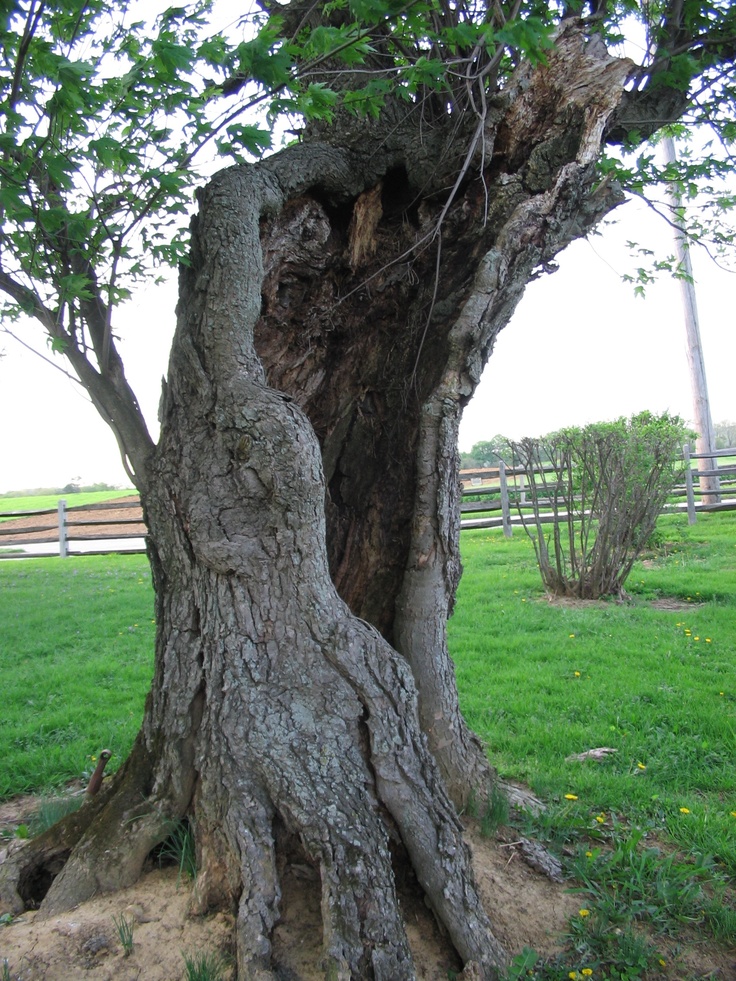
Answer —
(179, 849)
(634, 880)
(495, 813)
(124, 927)
(205, 966)
(51, 810)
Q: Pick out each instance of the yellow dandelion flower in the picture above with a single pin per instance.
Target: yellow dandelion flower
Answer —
(721, 693)
(684, 810)
(600, 818)
(573, 975)
(577, 674)
(584, 912)
(571, 635)
(696, 638)
(662, 963)
(641, 766)
(571, 797)
(586, 972)
(708, 640)
(590, 854)
(733, 814)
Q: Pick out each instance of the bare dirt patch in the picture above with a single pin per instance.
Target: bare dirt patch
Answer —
(661, 603)
(674, 604)
(526, 909)
(572, 602)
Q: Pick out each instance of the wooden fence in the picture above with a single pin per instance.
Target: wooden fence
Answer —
(117, 526)
(499, 492)
(85, 529)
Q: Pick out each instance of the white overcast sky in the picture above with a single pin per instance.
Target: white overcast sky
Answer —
(580, 348)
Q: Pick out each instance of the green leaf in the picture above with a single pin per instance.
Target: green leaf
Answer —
(369, 100)
(73, 285)
(170, 58)
(425, 73)
(347, 41)
(531, 36)
(214, 51)
(251, 138)
(265, 58)
(318, 102)
(465, 34)
(107, 151)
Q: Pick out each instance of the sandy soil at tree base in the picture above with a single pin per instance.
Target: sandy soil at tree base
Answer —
(526, 908)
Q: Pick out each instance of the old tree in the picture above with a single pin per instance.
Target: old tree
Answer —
(338, 300)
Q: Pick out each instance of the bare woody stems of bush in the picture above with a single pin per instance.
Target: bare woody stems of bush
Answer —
(601, 488)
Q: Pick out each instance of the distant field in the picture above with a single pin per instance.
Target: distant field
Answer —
(44, 501)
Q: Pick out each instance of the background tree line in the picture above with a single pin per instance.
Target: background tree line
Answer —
(488, 453)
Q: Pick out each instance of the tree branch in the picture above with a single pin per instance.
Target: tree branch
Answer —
(49, 361)
(110, 392)
(32, 22)
(29, 302)
(661, 101)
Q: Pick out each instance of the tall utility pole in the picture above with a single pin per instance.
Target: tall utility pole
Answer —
(710, 486)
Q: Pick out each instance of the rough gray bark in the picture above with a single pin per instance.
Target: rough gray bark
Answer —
(351, 328)
(275, 706)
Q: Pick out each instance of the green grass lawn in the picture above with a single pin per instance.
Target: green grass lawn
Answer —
(648, 834)
(76, 660)
(541, 681)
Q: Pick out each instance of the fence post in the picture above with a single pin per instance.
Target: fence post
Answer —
(62, 529)
(505, 510)
(691, 514)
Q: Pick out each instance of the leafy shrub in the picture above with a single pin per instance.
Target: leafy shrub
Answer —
(605, 485)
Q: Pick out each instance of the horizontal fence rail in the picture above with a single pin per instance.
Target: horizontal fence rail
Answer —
(499, 500)
(85, 529)
(499, 494)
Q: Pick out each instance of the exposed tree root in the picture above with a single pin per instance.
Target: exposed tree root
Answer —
(367, 776)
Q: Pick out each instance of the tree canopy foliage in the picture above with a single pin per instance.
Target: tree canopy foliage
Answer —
(485, 453)
(108, 119)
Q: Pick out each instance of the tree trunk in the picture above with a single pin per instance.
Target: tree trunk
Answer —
(373, 302)
(379, 315)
